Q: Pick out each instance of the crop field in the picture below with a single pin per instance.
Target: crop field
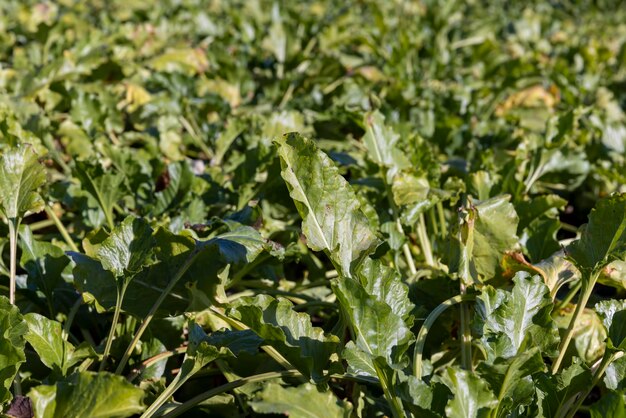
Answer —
(313, 209)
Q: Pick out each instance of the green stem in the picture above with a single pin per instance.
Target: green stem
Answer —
(146, 321)
(14, 224)
(587, 289)
(164, 396)
(226, 388)
(442, 219)
(155, 359)
(35, 226)
(570, 295)
(428, 323)
(70, 317)
(466, 334)
(116, 316)
(394, 402)
(424, 241)
(62, 230)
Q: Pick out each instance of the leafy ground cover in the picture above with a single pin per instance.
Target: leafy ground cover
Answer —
(314, 209)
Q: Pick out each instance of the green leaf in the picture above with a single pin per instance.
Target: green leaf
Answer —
(510, 322)
(180, 179)
(379, 332)
(20, 177)
(495, 233)
(603, 238)
(610, 405)
(358, 361)
(43, 261)
(306, 347)
(493, 225)
(381, 144)
(553, 390)
(95, 283)
(510, 379)
(331, 216)
(613, 313)
(12, 344)
(589, 333)
(385, 284)
(128, 249)
(615, 375)
(45, 336)
(105, 187)
(88, 394)
(472, 397)
(304, 401)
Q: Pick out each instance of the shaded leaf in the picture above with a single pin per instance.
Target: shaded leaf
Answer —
(604, 237)
(510, 379)
(12, 344)
(304, 401)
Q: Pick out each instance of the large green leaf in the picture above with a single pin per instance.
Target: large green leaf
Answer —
(510, 379)
(45, 336)
(381, 143)
(20, 177)
(128, 249)
(378, 331)
(88, 394)
(472, 397)
(604, 237)
(510, 322)
(306, 347)
(304, 401)
(12, 344)
(331, 216)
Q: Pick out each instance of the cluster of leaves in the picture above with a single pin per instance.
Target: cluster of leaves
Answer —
(449, 243)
